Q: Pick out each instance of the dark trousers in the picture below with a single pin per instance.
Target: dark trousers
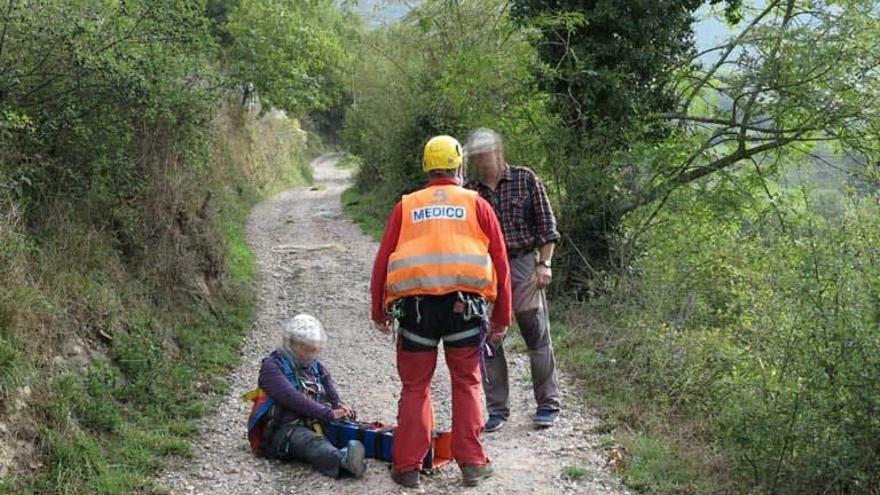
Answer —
(294, 442)
(532, 316)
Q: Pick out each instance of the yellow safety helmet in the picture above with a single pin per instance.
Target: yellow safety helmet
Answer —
(442, 153)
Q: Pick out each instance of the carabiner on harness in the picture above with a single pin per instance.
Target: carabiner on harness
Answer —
(478, 307)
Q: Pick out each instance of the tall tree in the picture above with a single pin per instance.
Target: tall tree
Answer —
(607, 62)
(646, 116)
(800, 73)
(290, 53)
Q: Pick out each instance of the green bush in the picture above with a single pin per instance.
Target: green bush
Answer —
(127, 171)
(476, 74)
(759, 337)
(104, 429)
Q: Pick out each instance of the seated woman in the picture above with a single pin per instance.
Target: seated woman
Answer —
(304, 397)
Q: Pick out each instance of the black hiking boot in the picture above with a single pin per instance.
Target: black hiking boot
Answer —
(408, 479)
(354, 458)
(472, 474)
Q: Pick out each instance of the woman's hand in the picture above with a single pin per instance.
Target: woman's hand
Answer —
(344, 411)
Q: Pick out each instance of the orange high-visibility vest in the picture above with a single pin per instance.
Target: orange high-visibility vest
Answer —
(441, 248)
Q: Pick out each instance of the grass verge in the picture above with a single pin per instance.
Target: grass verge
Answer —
(104, 428)
(366, 210)
(653, 451)
(101, 374)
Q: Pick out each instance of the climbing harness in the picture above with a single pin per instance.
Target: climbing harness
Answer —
(478, 307)
(471, 307)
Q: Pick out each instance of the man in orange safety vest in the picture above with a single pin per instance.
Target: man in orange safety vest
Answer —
(441, 263)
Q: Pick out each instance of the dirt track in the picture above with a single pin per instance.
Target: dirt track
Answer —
(313, 259)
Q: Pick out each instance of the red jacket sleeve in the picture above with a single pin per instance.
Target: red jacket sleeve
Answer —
(380, 266)
(502, 311)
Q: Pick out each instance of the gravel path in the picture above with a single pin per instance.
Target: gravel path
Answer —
(312, 259)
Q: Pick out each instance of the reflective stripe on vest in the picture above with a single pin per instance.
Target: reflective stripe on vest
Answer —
(441, 248)
(430, 283)
(441, 259)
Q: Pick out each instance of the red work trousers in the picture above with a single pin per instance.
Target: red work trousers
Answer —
(415, 416)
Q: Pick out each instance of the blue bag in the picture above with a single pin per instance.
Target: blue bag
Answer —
(378, 439)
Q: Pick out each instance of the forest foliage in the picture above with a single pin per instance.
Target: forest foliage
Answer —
(718, 273)
(134, 136)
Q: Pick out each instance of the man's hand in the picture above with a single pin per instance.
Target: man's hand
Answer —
(543, 276)
(497, 333)
(383, 326)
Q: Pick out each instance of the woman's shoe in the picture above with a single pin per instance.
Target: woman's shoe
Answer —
(354, 458)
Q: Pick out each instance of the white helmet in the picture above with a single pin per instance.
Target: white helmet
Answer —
(482, 141)
(303, 329)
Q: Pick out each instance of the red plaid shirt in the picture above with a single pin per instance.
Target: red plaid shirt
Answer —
(521, 203)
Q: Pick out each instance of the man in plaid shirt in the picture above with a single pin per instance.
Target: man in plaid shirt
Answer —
(529, 226)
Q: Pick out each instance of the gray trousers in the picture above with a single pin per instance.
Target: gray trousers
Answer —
(294, 442)
(532, 316)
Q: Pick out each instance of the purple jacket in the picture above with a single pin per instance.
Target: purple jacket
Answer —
(290, 403)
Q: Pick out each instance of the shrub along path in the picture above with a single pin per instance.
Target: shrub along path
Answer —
(312, 259)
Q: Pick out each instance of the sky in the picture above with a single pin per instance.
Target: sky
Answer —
(709, 30)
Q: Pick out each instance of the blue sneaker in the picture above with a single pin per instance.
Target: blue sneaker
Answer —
(545, 418)
(495, 423)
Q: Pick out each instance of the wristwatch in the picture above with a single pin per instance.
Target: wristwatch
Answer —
(544, 263)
